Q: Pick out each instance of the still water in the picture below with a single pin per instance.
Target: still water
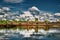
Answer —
(32, 36)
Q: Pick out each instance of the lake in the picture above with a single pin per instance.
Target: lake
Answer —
(25, 35)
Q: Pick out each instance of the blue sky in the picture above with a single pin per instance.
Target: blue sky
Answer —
(22, 5)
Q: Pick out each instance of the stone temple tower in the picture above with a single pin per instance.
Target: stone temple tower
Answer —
(36, 22)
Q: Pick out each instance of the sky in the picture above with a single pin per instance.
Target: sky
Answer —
(52, 6)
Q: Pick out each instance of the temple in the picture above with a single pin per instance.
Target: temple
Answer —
(32, 25)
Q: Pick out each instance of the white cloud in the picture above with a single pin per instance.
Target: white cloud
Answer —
(49, 14)
(1, 10)
(6, 8)
(57, 14)
(1, 15)
(41, 16)
(36, 16)
(26, 13)
(34, 8)
(13, 1)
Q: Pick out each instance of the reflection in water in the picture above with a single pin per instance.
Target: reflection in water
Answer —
(30, 35)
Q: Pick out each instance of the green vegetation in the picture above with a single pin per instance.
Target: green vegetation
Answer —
(4, 21)
(7, 21)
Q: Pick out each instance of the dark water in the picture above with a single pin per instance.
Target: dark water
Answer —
(53, 36)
